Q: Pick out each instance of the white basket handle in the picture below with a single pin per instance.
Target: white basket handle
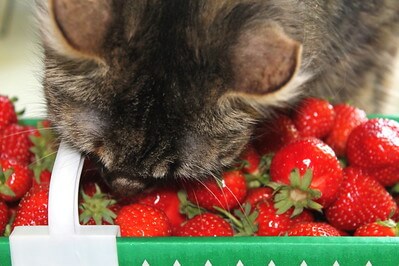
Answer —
(64, 241)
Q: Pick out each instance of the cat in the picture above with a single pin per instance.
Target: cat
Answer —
(174, 89)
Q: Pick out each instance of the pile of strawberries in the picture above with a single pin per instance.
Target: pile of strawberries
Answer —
(316, 170)
(26, 158)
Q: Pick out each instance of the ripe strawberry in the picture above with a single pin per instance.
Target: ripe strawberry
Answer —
(7, 112)
(311, 172)
(347, 118)
(228, 194)
(361, 200)
(98, 208)
(275, 134)
(4, 216)
(15, 143)
(313, 229)
(270, 223)
(250, 160)
(165, 199)
(386, 176)
(33, 207)
(207, 224)
(314, 118)
(374, 143)
(142, 220)
(256, 195)
(380, 228)
(15, 179)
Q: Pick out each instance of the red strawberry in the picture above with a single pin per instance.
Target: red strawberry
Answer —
(256, 195)
(380, 228)
(374, 143)
(15, 180)
(275, 134)
(4, 216)
(347, 118)
(314, 118)
(98, 208)
(310, 170)
(33, 207)
(44, 177)
(7, 112)
(387, 176)
(228, 194)
(15, 143)
(272, 224)
(313, 229)
(207, 224)
(142, 220)
(250, 160)
(361, 200)
(165, 199)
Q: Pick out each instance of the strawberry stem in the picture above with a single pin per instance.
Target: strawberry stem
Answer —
(243, 220)
(298, 194)
(188, 208)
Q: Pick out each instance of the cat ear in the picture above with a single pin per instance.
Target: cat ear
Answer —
(78, 28)
(264, 61)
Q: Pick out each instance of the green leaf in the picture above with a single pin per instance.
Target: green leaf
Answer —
(295, 178)
(307, 179)
(6, 190)
(315, 206)
(283, 206)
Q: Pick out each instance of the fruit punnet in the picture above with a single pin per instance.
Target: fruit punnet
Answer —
(287, 182)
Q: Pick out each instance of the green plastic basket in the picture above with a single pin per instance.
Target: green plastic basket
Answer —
(268, 251)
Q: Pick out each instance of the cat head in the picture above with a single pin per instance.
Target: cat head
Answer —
(158, 89)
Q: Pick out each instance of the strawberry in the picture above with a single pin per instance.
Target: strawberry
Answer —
(165, 199)
(347, 118)
(33, 207)
(142, 220)
(4, 216)
(374, 143)
(15, 179)
(7, 112)
(314, 118)
(15, 143)
(207, 224)
(361, 200)
(387, 176)
(250, 160)
(313, 229)
(270, 223)
(256, 195)
(227, 194)
(310, 173)
(275, 134)
(98, 208)
(380, 228)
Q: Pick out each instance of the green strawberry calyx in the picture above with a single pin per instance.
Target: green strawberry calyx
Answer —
(96, 207)
(262, 176)
(243, 220)
(4, 188)
(188, 208)
(390, 224)
(297, 194)
(44, 149)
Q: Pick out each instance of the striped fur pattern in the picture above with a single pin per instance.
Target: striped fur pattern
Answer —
(157, 96)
